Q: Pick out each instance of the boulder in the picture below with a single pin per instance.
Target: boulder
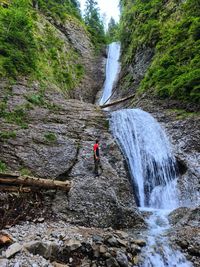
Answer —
(12, 250)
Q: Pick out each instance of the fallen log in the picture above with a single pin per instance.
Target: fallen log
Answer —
(20, 189)
(28, 181)
(117, 101)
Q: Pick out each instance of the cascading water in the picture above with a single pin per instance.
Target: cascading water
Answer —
(152, 168)
(151, 162)
(112, 70)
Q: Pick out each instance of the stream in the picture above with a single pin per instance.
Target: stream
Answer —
(152, 168)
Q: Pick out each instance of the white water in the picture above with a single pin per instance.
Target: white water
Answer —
(152, 168)
(112, 70)
(149, 156)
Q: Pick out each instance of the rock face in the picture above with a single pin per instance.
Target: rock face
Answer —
(57, 142)
(186, 232)
(93, 65)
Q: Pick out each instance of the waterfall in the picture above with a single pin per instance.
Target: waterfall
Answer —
(152, 169)
(151, 163)
(112, 70)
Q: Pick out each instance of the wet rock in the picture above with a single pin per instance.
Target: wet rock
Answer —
(122, 259)
(111, 262)
(140, 242)
(12, 250)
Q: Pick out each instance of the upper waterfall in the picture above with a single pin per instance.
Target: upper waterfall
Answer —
(149, 156)
(112, 70)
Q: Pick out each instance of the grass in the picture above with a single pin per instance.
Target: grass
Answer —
(7, 135)
(50, 137)
(3, 166)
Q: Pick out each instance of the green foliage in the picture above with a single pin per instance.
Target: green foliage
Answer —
(173, 29)
(58, 64)
(112, 33)
(3, 166)
(60, 8)
(17, 46)
(17, 116)
(7, 135)
(94, 24)
(25, 172)
(50, 137)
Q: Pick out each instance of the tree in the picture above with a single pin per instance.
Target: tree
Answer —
(94, 23)
(112, 32)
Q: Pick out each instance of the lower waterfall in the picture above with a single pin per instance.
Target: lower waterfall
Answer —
(154, 176)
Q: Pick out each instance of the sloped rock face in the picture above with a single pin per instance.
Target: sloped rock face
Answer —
(186, 232)
(55, 141)
(94, 66)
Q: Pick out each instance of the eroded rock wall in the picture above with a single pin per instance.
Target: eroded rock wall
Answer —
(55, 140)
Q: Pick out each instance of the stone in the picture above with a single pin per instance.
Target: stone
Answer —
(97, 239)
(72, 245)
(140, 242)
(45, 249)
(122, 259)
(121, 234)
(123, 243)
(112, 241)
(135, 249)
(103, 249)
(13, 249)
(111, 262)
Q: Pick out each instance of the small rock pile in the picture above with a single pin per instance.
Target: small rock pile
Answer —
(61, 245)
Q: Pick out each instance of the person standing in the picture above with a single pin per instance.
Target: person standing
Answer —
(97, 162)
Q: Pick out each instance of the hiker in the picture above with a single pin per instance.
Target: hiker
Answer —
(97, 162)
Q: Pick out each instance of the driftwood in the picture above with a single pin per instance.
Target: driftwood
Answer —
(117, 101)
(28, 181)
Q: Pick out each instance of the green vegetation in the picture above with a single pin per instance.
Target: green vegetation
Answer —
(173, 30)
(17, 45)
(50, 137)
(7, 135)
(3, 166)
(17, 116)
(31, 46)
(25, 172)
(112, 34)
(94, 24)
(59, 8)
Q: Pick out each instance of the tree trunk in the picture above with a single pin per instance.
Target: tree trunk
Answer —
(117, 101)
(17, 180)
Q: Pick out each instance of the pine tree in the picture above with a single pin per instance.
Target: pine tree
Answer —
(112, 32)
(94, 22)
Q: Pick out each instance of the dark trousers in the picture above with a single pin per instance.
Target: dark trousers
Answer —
(97, 165)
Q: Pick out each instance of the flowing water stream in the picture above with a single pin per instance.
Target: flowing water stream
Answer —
(153, 170)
